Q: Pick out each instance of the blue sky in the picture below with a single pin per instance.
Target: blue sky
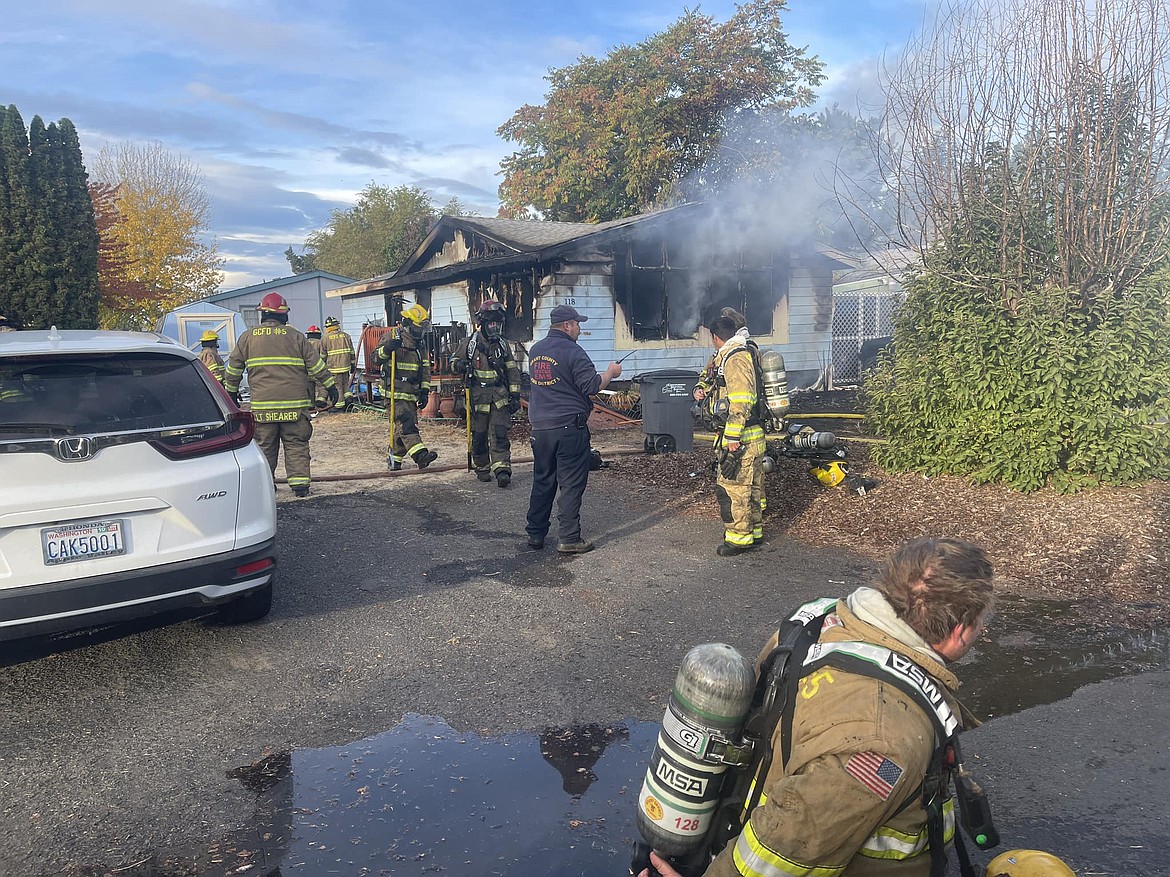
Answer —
(290, 107)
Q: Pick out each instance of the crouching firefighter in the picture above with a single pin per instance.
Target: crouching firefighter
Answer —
(406, 378)
(730, 403)
(493, 381)
(843, 759)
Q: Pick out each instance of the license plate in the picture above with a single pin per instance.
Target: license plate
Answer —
(82, 541)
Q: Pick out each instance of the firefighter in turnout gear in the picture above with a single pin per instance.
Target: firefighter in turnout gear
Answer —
(340, 359)
(486, 362)
(730, 404)
(317, 388)
(862, 786)
(406, 377)
(209, 354)
(280, 361)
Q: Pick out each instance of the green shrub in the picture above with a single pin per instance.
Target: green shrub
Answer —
(1059, 390)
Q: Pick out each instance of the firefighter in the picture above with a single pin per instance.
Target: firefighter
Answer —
(848, 800)
(317, 388)
(730, 403)
(280, 361)
(209, 354)
(404, 348)
(707, 375)
(340, 359)
(486, 362)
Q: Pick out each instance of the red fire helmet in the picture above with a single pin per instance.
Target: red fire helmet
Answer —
(274, 302)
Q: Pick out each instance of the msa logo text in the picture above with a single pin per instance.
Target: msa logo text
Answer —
(211, 495)
(680, 781)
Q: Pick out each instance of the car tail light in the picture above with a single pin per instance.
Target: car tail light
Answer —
(255, 566)
(182, 444)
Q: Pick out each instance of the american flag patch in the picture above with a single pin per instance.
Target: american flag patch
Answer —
(876, 772)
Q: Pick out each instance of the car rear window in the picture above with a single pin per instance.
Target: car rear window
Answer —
(103, 393)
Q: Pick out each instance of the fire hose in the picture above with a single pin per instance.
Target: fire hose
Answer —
(368, 476)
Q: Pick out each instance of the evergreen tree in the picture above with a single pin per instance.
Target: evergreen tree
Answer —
(48, 235)
(16, 249)
(79, 256)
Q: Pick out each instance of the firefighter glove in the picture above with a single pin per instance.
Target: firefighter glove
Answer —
(729, 463)
(390, 343)
(513, 403)
(333, 395)
(424, 396)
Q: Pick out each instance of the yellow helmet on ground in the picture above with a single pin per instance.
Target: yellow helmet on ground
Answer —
(208, 336)
(416, 313)
(1027, 863)
(830, 474)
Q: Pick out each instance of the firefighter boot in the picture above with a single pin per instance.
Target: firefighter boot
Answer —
(503, 478)
(726, 549)
(483, 475)
(424, 457)
(393, 464)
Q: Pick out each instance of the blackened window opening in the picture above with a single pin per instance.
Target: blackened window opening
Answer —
(667, 291)
(516, 292)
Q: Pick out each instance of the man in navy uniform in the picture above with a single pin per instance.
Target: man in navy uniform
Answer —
(563, 379)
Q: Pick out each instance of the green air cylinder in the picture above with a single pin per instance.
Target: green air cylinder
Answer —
(684, 782)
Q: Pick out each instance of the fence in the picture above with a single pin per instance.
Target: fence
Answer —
(860, 315)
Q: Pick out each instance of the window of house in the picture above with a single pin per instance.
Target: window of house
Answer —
(516, 293)
(667, 291)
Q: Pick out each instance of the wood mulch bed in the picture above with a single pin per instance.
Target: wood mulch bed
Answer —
(1105, 550)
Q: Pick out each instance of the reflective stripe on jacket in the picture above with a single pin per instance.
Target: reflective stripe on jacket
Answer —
(819, 816)
(279, 361)
(210, 358)
(492, 375)
(412, 368)
(739, 379)
(339, 353)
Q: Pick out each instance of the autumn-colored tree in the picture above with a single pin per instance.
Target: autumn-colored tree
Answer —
(48, 240)
(376, 235)
(615, 135)
(161, 261)
(119, 295)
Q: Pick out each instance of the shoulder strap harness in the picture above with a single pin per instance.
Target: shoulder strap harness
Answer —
(774, 701)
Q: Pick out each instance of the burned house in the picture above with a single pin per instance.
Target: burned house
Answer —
(647, 283)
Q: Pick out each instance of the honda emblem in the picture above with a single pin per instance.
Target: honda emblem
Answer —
(75, 448)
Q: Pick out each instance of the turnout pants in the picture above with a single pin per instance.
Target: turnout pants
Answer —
(560, 462)
(407, 441)
(741, 500)
(343, 379)
(490, 448)
(294, 435)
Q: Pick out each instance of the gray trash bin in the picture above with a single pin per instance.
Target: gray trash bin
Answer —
(667, 421)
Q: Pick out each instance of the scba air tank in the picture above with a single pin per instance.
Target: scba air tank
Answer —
(775, 383)
(699, 738)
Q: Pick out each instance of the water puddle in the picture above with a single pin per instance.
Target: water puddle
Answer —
(426, 799)
(1035, 652)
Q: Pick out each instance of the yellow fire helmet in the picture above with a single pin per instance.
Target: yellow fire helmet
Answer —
(1027, 863)
(416, 313)
(830, 474)
(208, 336)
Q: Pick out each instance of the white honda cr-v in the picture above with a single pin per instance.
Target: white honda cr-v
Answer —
(129, 486)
